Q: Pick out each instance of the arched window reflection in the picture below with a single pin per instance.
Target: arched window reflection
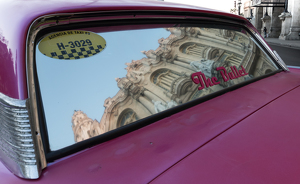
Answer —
(193, 49)
(164, 78)
(127, 116)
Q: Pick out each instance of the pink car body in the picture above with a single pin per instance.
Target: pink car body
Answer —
(248, 135)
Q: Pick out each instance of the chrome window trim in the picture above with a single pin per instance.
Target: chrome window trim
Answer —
(67, 18)
(296, 67)
(281, 62)
(273, 53)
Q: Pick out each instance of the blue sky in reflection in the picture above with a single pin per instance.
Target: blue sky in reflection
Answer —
(84, 84)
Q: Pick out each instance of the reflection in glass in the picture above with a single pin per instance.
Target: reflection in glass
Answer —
(190, 63)
(127, 117)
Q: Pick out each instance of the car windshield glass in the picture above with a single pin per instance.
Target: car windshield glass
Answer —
(93, 81)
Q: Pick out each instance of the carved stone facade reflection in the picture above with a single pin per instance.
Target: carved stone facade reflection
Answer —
(84, 127)
(162, 79)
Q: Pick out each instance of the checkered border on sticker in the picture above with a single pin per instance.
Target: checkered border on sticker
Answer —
(77, 54)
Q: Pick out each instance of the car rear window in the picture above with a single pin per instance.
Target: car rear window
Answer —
(94, 81)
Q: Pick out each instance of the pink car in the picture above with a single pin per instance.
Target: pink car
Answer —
(142, 92)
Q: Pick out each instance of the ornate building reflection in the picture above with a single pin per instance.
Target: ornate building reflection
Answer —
(162, 79)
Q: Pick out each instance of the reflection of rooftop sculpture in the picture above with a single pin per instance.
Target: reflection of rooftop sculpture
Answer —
(84, 126)
(171, 104)
(204, 66)
(161, 106)
(162, 79)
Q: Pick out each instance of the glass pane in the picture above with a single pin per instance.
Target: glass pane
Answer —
(139, 73)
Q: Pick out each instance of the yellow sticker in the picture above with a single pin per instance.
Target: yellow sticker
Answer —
(73, 44)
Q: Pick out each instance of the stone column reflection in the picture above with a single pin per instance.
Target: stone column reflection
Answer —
(149, 105)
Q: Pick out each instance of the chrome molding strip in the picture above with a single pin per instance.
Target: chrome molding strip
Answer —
(17, 150)
(281, 62)
(274, 54)
(296, 67)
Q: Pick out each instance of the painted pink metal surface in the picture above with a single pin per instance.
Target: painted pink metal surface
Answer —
(153, 153)
(263, 148)
(16, 17)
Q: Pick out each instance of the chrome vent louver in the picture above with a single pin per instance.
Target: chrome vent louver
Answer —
(17, 151)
